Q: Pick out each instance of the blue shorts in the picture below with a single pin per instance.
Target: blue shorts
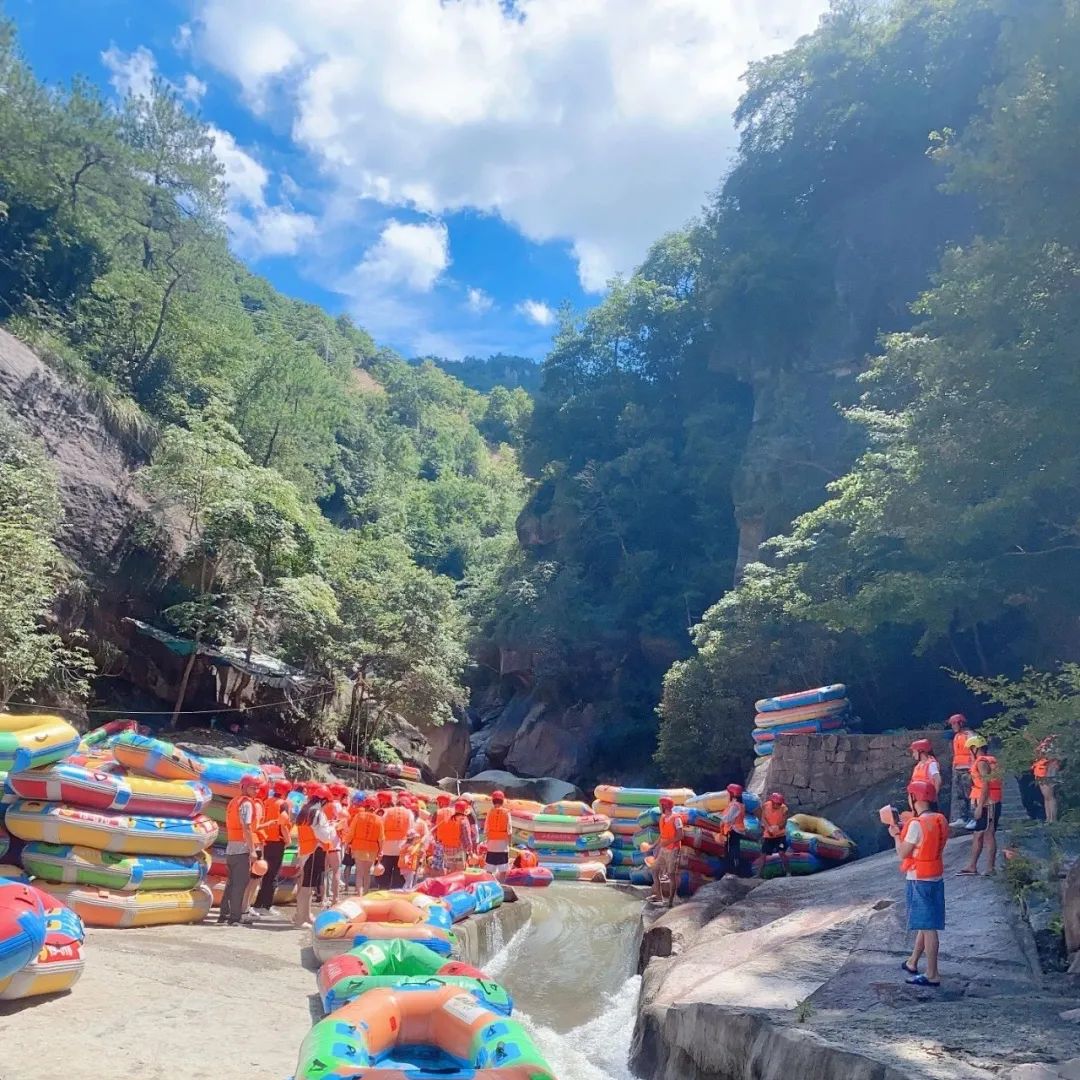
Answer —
(925, 905)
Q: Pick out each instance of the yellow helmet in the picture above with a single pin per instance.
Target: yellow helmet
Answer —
(974, 742)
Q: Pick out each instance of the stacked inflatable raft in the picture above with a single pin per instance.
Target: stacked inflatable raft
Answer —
(41, 943)
(625, 807)
(568, 838)
(123, 844)
(342, 757)
(809, 712)
(398, 1005)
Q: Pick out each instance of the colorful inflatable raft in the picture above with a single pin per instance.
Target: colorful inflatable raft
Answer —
(58, 964)
(98, 790)
(34, 739)
(54, 823)
(642, 797)
(387, 1034)
(73, 865)
(383, 916)
(117, 910)
(532, 877)
(22, 926)
(155, 757)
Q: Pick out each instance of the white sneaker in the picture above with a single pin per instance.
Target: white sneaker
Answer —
(958, 823)
(249, 917)
(971, 824)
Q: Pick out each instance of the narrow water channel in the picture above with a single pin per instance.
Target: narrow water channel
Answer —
(571, 972)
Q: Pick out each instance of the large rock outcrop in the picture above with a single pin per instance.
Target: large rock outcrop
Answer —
(800, 978)
(544, 789)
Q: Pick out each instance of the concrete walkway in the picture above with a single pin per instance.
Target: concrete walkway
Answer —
(801, 977)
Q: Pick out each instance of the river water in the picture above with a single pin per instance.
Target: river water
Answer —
(571, 972)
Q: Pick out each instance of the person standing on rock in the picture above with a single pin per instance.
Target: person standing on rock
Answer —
(498, 829)
(665, 863)
(926, 768)
(920, 843)
(733, 827)
(986, 791)
(241, 851)
(960, 808)
(774, 816)
(1045, 770)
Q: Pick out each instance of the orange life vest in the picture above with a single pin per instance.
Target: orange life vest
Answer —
(277, 827)
(442, 814)
(527, 859)
(994, 782)
(773, 820)
(396, 823)
(738, 821)
(669, 828)
(234, 827)
(961, 755)
(497, 823)
(448, 832)
(305, 838)
(1041, 768)
(922, 771)
(926, 860)
(366, 832)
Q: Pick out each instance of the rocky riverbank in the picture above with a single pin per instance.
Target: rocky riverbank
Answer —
(800, 978)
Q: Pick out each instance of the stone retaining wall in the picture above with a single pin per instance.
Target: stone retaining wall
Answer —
(814, 771)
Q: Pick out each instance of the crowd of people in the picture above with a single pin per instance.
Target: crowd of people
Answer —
(351, 841)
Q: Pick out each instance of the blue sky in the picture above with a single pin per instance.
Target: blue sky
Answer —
(449, 173)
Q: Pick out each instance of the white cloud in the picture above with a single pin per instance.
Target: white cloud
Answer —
(132, 74)
(257, 228)
(410, 255)
(536, 311)
(603, 123)
(478, 301)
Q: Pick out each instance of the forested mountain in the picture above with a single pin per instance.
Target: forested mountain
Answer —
(485, 374)
(825, 432)
(336, 505)
(764, 374)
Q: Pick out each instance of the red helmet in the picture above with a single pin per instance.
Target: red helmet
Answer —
(386, 798)
(338, 791)
(461, 806)
(957, 720)
(776, 799)
(371, 802)
(734, 790)
(442, 800)
(921, 746)
(922, 790)
(498, 796)
(319, 791)
(250, 781)
(281, 787)
(666, 801)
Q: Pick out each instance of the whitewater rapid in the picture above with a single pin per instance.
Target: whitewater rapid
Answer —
(571, 972)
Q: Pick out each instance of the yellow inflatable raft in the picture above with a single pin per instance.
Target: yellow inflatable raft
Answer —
(55, 823)
(34, 739)
(116, 910)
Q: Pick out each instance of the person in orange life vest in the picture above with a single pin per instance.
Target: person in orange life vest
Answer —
(261, 791)
(443, 811)
(314, 833)
(364, 837)
(526, 859)
(337, 815)
(960, 806)
(397, 821)
(455, 838)
(734, 827)
(666, 849)
(1045, 770)
(774, 841)
(986, 793)
(276, 834)
(920, 843)
(409, 862)
(498, 829)
(241, 850)
(926, 765)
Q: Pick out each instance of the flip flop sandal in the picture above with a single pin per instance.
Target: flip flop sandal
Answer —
(968, 873)
(921, 980)
(909, 970)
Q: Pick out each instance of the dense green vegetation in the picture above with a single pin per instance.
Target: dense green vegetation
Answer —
(510, 372)
(337, 505)
(924, 502)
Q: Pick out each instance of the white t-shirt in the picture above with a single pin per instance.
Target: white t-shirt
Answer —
(913, 835)
(934, 770)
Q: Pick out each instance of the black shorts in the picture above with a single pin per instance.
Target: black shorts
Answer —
(314, 867)
(497, 858)
(773, 845)
(348, 860)
(984, 818)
